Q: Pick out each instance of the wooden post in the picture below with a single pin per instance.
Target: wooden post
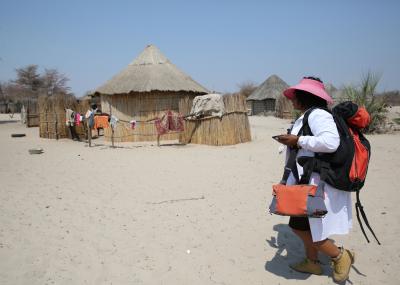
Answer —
(112, 137)
(56, 125)
(47, 124)
(89, 132)
(26, 113)
(112, 129)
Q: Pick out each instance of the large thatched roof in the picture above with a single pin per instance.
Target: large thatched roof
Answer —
(150, 71)
(272, 88)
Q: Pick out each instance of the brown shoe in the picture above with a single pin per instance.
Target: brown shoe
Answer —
(341, 265)
(307, 266)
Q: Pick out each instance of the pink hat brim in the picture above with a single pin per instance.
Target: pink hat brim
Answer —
(311, 86)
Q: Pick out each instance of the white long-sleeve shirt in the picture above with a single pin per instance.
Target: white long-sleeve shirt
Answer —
(325, 134)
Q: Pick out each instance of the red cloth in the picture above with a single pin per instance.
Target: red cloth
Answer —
(360, 119)
(101, 122)
(171, 122)
(77, 119)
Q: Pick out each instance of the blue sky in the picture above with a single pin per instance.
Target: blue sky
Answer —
(220, 44)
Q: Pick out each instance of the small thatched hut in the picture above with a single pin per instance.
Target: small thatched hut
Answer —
(144, 90)
(91, 97)
(268, 99)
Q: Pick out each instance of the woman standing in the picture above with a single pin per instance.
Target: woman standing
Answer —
(314, 232)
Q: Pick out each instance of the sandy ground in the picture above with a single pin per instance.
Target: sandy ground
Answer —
(191, 214)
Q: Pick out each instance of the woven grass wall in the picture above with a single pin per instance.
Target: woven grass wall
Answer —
(232, 128)
(141, 107)
(52, 116)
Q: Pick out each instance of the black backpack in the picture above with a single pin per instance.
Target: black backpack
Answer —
(339, 168)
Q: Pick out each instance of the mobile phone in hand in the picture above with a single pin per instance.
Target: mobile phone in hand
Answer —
(276, 137)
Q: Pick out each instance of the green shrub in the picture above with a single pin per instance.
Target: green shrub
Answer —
(365, 95)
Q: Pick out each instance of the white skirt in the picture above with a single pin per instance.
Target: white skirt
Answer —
(338, 220)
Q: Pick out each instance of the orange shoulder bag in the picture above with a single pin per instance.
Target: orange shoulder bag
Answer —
(302, 199)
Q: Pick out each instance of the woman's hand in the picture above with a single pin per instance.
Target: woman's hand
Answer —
(289, 140)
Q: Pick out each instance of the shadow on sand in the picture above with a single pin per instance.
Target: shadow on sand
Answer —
(9, 122)
(289, 249)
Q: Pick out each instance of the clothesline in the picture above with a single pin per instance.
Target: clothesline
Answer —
(170, 122)
(211, 117)
(184, 117)
(144, 135)
(138, 121)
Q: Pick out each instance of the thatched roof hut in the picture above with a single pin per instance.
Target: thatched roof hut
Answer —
(268, 98)
(144, 90)
(91, 97)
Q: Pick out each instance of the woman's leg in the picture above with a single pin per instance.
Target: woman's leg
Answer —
(328, 248)
(309, 246)
(342, 259)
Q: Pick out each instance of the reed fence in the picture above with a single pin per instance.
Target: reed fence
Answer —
(232, 128)
(52, 116)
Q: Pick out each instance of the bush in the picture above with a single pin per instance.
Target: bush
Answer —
(246, 88)
(365, 95)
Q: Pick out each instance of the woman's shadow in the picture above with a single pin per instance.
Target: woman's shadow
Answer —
(289, 249)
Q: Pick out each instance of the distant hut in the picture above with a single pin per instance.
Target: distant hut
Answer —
(7, 106)
(144, 90)
(3, 107)
(268, 98)
(91, 97)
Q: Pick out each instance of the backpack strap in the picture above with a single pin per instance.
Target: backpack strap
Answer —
(360, 209)
(290, 167)
(306, 130)
(309, 164)
(291, 162)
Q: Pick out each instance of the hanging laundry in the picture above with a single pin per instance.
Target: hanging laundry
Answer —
(178, 123)
(161, 129)
(133, 124)
(101, 122)
(88, 113)
(113, 121)
(90, 118)
(170, 122)
(69, 117)
(78, 119)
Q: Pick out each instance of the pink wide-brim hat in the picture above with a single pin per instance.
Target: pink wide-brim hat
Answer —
(311, 86)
